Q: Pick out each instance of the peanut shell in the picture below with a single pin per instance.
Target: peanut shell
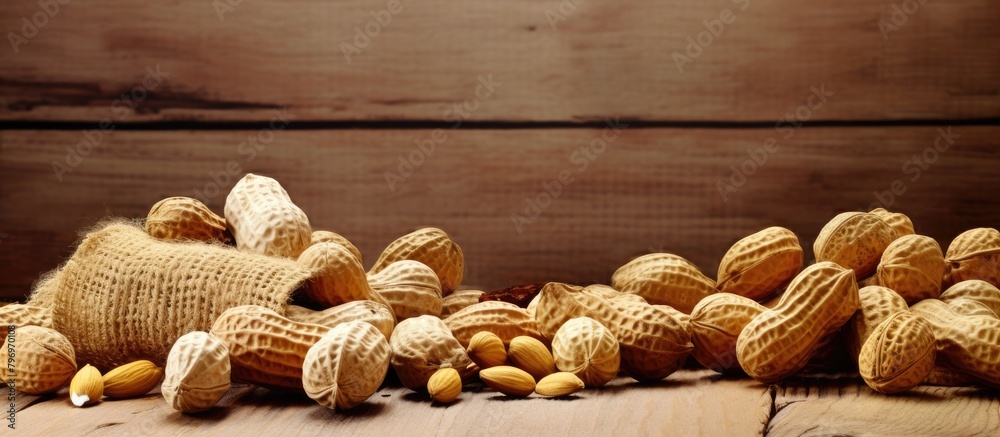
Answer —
(266, 348)
(898, 354)
(43, 362)
(974, 254)
(432, 247)
(761, 264)
(854, 240)
(184, 218)
(263, 219)
(346, 366)
(716, 323)
(422, 345)
(876, 305)
(899, 222)
(378, 315)
(974, 289)
(504, 319)
(780, 341)
(411, 288)
(197, 374)
(332, 237)
(664, 279)
(913, 266)
(587, 349)
(337, 276)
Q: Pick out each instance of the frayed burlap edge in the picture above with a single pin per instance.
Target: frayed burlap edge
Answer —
(111, 324)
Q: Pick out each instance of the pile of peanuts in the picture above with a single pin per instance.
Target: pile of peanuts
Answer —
(907, 312)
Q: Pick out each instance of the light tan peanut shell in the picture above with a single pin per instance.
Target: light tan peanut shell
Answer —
(422, 345)
(25, 315)
(913, 266)
(133, 379)
(411, 288)
(532, 306)
(432, 247)
(780, 341)
(716, 323)
(337, 276)
(378, 315)
(974, 289)
(664, 279)
(899, 222)
(761, 264)
(653, 339)
(504, 319)
(587, 349)
(346, 366)
(854, 240)
(898, 354)
(184, 218)
(964, 306)
(458, 300)
(266, 348)
(967, 344)
(332, 237)
(877, 304)
(608, 293)
(44, 360)
(263, 219)
(974, 254)
(197, 374)
(969, 307)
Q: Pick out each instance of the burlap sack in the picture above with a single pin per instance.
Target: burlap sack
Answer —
(125, 296)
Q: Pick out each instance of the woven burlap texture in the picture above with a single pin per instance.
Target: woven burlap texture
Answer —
(125, 296)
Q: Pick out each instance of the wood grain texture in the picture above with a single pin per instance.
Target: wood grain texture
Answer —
(605, 59)
(846, 406)
(687, 403)
(650, 190)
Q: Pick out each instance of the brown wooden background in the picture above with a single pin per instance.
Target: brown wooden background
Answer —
(655, 188)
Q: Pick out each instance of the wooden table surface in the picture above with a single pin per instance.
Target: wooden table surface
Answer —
(690, 402)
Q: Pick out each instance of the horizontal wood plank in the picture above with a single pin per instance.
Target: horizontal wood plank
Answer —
(647, 190)
(842, 406)
(687, 403)
(605, 59)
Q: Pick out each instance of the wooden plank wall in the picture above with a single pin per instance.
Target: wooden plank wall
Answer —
(840, 98)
